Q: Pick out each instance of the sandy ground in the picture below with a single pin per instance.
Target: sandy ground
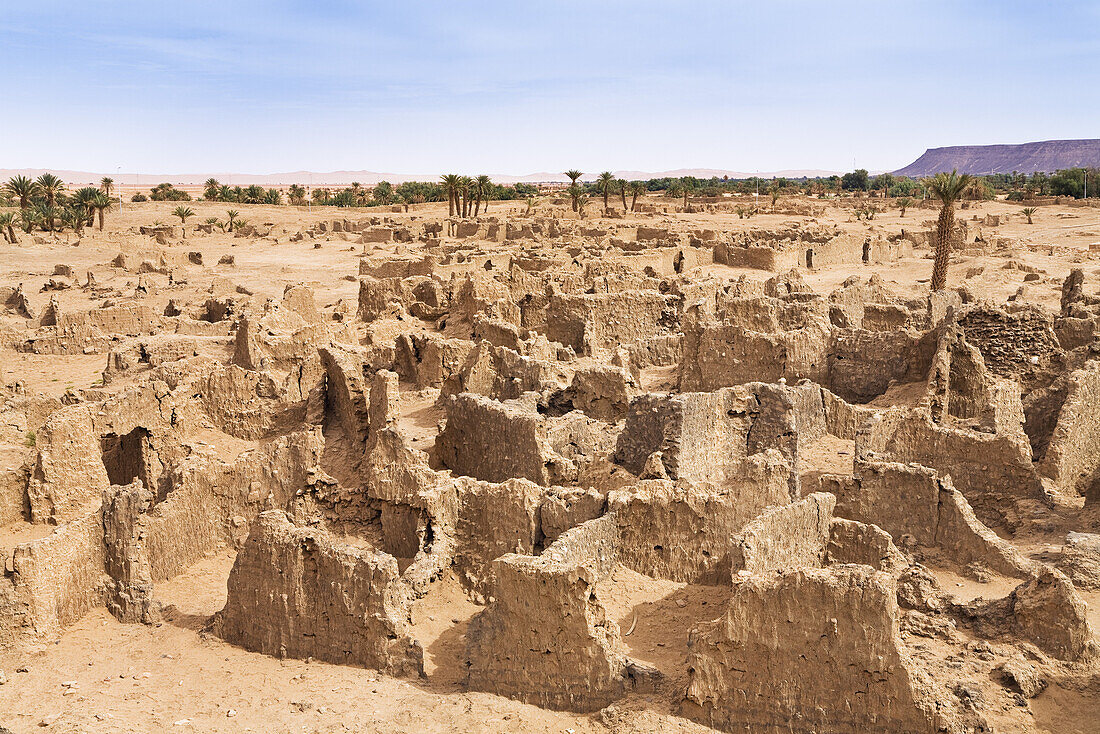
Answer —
(104, 676)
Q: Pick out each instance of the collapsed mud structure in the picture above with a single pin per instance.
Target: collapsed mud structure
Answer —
(737, 494)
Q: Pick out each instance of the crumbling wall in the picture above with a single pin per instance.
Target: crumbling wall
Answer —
(703, 437)
(808, 650)
(688, 532)
(546, 638)
(300, 592)
(1072, 458)
(56, 580)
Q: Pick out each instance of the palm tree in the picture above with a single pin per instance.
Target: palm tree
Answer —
(573, 175)
(28, 218)
(637, 188)
(466, 184)
(450, 188)
(947, 187)
(101, 204)
(47, 215)
(107, 185)
(84, 197)
(297, 194)
(1029, 212)
(603, 185)
(210, 189)
(51, 187)
(22, 188)
(225, 193)
(622, 190)
(687, 184)
(904, 203)
(483, 186)
(7, 221)
(75, 219)
(576, 192)
(183, 212)
(232, 215)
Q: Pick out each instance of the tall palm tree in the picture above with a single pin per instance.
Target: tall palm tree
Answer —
(603, 183)
(22, 188)
(6, 223)
(637, 188)
(101, 204)
(232, 215)
(107, 185)
(686, 185)
(466, 184)
(482, 188)
(621, 183)
(51, 187)
(947, 187)
(450, 188)
(573, 175)
(183, 212)
(210, 189)
(576, 193)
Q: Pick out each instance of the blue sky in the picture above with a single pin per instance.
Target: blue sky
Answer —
(517, 87)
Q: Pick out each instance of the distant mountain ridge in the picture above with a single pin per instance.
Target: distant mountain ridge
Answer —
(368, 178)
(1047, 156)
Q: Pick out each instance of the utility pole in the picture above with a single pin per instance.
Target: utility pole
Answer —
(118, 175)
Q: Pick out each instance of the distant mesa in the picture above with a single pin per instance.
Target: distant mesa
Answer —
(1047, 156)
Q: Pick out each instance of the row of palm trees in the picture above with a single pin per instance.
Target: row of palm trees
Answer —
(466, 195)
(44, 203)
(607, 185)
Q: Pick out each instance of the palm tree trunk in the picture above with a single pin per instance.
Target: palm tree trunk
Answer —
(450, 203)
(11, 235)
(622, 190)
(943, 247)
(634, 201)
(605, 199)
(100, 220)
(477, 205)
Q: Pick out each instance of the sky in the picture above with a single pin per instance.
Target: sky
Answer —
(263, 86)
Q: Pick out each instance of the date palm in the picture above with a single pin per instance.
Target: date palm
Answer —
(75, 219)
(947, 187)
(107, 185)
(231, 217)
(450, 188)
(1029, 212)
(101, 204)
(7, 222)
(637, 188)
(183, 212)
(904, 203)
(297, 194)
(603, 185)
(573, 175)
(28, 219)
(576, 193)
(83, 197)
(483, 187)
(225, 193)
(622, 191)
(687, 184)
(210, 189)
(50, 187)
(466, 184)
(47, 214)
(22, 188)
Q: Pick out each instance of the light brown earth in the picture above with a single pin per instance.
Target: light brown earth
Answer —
(101, 675)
